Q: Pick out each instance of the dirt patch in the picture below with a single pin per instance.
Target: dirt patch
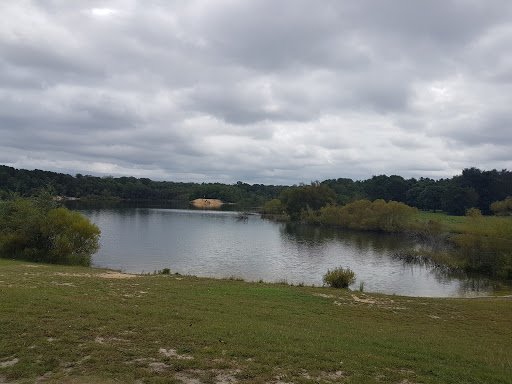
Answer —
(72, 274)
(363, 300)
(380, 303)
(105, 275)
(207, 203)
(324, 376)
(186, 379)
(9, 363)
(115, 275)
(211, 376)
(174, 355)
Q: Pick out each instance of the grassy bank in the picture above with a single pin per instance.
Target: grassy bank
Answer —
(481, 244)
(459, 224)
(474, 243)
(79, 325)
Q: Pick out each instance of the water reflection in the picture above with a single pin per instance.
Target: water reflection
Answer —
(218, 244)
(363, 241)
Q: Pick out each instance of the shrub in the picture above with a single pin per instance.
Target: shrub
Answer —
(339, 277)
(365, 215)
(40, 231)
(474, 213)
(502, 208)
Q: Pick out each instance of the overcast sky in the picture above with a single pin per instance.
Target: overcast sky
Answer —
(262, 91)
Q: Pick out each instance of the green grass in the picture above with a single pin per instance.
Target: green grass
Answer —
(458, 224)
(63, 324)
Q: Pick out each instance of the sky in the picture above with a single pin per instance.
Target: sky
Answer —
(259, 91)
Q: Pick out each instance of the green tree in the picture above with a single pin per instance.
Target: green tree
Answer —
(346, 190)
(456, 199)
(273, 207)
(430, 197)
(299, 199)
(34, 230)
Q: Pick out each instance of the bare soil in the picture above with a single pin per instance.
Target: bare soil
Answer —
(207, 203)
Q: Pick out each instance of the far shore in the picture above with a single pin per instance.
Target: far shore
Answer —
(65, 198)
(207, 203)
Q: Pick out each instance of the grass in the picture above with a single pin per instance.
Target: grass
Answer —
(62, 324)
(483, 244)
(458, 224)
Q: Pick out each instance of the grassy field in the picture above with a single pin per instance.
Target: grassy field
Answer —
(458, 224)
(63, 324)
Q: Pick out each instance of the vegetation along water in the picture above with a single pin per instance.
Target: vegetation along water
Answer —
(73, 324)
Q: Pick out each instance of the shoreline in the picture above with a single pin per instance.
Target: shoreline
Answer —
(207, 203)
(178, 328)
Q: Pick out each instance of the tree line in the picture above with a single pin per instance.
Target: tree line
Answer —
(472, 188)
(27, 183)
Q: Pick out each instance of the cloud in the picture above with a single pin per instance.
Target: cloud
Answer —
(264, 92)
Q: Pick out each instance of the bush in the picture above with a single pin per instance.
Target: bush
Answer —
(502, 208)
(339, 277)
(474, 213)
(39, 231)
(365, 215)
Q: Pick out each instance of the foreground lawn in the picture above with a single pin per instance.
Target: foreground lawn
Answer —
(81, 325)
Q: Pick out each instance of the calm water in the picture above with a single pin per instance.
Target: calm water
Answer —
(217, 244)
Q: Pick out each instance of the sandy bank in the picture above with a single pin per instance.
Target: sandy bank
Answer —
(207, 203)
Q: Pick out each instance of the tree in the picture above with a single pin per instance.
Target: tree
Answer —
(298, 199)
(35, 230)
(346, 190)
(273, 207)
(430, 197)
(487, 185)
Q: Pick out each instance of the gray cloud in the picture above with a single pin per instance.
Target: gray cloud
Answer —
(273, 92)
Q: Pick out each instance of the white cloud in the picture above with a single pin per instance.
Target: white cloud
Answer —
(103, 12)
(273, 92)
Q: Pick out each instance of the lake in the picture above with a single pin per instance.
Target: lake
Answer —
(144, 239)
